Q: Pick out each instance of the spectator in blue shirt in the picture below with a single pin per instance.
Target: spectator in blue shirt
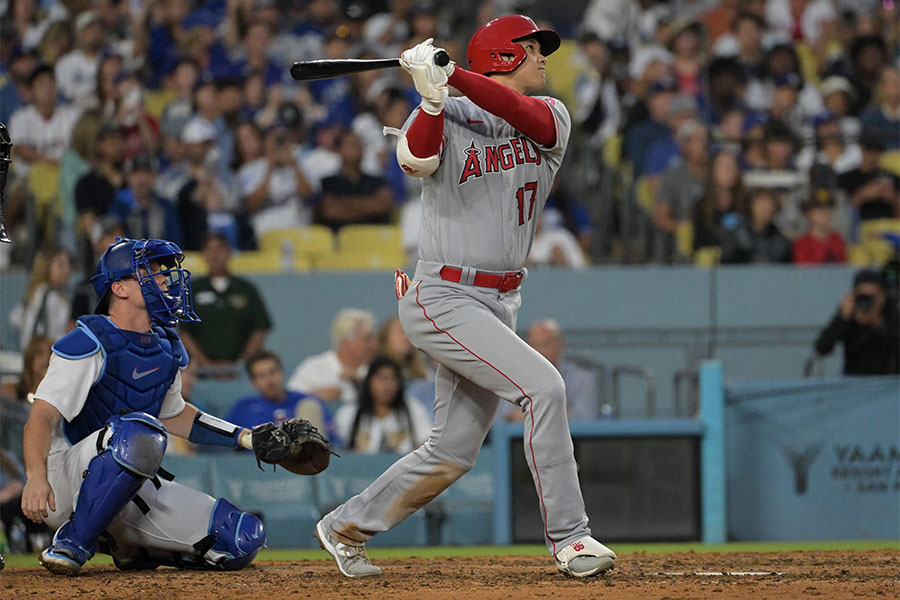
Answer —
(641, 137)
(884, 112)
(274, 402)
(14, 81)
(143, 213)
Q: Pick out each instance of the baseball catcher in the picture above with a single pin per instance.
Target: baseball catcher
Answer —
(98, 430)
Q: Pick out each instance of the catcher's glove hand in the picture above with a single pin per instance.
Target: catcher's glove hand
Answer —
(295, 445)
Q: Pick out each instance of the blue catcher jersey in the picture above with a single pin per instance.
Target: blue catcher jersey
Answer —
(138, 370)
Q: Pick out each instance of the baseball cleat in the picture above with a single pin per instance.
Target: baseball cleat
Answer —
(351, 559)
(58, 561)
(585, 557)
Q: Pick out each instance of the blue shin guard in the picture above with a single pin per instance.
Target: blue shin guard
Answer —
(233, 541)
(112, 479)
(237, 536)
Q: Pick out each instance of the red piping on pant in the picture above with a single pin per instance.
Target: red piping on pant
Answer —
(530, 407)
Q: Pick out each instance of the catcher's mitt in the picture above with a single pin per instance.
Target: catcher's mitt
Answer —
(295, 445)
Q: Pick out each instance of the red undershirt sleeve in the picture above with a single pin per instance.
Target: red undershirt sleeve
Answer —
(425, 134)
(529, 115)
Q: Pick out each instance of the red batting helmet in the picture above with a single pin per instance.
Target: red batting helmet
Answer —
(498, 38)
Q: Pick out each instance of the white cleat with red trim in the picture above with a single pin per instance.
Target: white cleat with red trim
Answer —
(585, 557)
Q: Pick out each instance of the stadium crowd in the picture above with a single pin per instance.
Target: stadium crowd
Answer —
(179, 117)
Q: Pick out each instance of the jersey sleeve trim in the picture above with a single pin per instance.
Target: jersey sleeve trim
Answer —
(551, 104)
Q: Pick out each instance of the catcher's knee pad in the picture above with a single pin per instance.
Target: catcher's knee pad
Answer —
(138, 442)
(235, 537)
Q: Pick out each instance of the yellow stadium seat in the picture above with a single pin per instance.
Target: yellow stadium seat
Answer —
(880, 251)
(363, 260)
(876, 228)
(303, 262)
(684, 239)
(156, 102)
(643, 193)
(873, 248)
(890, 162)
(612, 150)
(708, 256)
(370, 238)
(808, 64)
(870, 254)
(43, 184)
(857, 255)
(256, 262)
(308, 244)
(193, 262)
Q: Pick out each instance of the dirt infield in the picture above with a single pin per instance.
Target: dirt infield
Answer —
(836, 574)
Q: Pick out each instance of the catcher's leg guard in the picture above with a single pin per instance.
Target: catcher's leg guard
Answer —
(234, 537)
(134, 453)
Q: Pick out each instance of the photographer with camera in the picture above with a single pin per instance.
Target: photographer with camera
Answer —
(868, 327)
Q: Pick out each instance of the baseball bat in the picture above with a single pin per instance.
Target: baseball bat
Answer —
(308, 70)
(5, 159)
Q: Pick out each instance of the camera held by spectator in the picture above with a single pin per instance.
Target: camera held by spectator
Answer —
(868, 327)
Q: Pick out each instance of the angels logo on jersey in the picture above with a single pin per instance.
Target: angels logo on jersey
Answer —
(502, 157)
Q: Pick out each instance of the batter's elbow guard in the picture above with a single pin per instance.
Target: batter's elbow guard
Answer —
(411, 164)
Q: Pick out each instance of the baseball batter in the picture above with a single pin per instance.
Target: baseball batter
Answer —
(97, 431)
(487, 161)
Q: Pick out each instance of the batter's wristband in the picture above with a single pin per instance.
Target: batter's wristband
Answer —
(213, 431)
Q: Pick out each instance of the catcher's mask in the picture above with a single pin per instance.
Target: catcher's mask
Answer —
(498, 38)
(145, 260)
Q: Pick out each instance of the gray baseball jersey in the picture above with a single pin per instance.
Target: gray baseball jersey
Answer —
(480, 209)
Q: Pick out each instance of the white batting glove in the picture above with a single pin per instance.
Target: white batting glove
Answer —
(430, 79)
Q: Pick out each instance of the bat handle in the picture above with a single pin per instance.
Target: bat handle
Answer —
(441, 58)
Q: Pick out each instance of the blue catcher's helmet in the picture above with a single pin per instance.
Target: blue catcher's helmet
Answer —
(133, 258)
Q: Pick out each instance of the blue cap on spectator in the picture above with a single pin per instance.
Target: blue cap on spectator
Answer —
(789, 80)
(18, 52)
(201, 18)
(617, 45)
(204, 78)
(823, 117)
(666, 84)
(122, 76)
(753, 119)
